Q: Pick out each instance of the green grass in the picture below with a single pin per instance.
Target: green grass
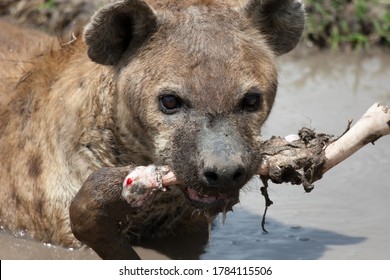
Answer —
(348, 24)
(47, 5)
(334, 24)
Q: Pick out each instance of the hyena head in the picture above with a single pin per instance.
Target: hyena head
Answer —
(197, 79)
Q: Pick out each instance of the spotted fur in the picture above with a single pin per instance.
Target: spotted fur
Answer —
(68, 109)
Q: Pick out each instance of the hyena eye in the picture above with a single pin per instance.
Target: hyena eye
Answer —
(169, 103)
(251, 102)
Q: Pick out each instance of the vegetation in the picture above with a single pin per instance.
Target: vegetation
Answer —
(47, 4)
(348, 24)
(336, 24)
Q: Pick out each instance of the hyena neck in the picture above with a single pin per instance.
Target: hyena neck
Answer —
(97, 132)
(84, 130)
(79, 97)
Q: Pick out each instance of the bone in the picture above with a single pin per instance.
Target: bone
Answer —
(375, 123)
(170, 179)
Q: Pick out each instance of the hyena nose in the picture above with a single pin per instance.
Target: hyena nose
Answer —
(224, 176)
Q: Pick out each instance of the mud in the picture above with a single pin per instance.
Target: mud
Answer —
(347, 214)
(297, 162)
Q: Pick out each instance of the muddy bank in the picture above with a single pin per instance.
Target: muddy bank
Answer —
(345, 216)
(344, 24)
(56, 17)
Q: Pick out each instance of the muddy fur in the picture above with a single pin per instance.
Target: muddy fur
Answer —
(69, 108)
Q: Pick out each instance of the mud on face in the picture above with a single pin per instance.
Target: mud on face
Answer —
(203, 100)
(196, 82)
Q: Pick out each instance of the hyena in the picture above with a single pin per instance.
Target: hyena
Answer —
(180, 83)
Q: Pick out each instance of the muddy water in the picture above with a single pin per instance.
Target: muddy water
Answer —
(346, 216)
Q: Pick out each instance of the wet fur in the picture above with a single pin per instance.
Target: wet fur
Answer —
(63, 116)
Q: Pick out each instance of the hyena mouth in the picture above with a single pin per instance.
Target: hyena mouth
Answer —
(142, 183)
(212, 203)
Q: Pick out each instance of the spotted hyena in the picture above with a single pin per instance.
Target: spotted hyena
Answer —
(184, 84)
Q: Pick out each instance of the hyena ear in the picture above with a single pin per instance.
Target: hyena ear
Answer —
(116, 27)
(281, 21)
